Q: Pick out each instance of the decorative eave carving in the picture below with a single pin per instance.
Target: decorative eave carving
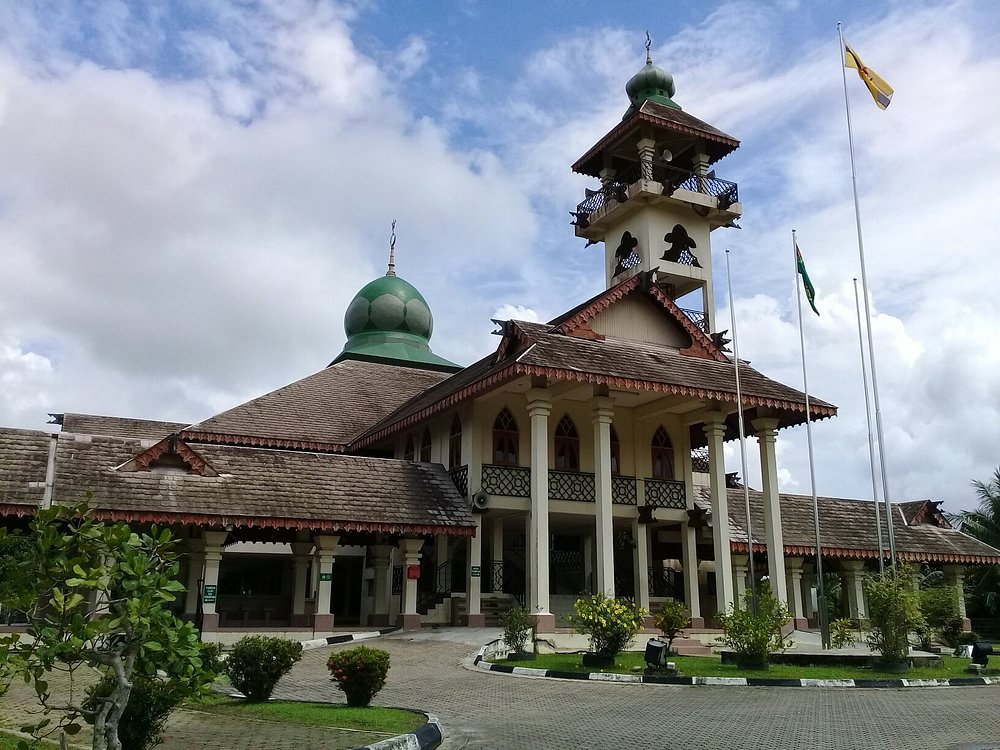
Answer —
(171, 445)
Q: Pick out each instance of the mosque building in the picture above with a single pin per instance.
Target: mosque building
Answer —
(584, 455)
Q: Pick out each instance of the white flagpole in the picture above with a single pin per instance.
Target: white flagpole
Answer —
(824, 626)
(743, 439)
(868, 313)
(871, 444)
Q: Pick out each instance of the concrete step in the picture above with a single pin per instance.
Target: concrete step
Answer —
(691, 647)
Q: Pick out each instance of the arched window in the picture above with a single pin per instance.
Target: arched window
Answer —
(567, 445)
(455, 443)
(505, 439)
(662, 455)
(425, 446)
(409, 452)
(616, 453)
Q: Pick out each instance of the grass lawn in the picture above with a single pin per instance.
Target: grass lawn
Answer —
(712, 666)
(371, 719)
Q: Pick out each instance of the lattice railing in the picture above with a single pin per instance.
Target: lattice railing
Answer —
(697, 317)
(460, 476)
(699, 460)
(670, 177)
(665, 582)
(397, 579)
(571, 485)
(511, 481)
(624, 491)
(666, 493)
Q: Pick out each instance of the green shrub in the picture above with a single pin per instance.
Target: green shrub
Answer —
(611, 624)
(967, 638)
(842, 633)
(754, 636)
(516, 628)
(671, 619)
(360, 672)
(149, 705)
(893, 611)
(940, 609)
(211, 658)
(257, 662)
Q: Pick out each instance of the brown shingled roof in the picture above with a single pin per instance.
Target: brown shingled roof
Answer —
(847, 529)
(92, 424)
(323, 411)
(263, 488)
(24, 455)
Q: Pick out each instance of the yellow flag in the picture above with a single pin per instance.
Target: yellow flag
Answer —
(880, 90)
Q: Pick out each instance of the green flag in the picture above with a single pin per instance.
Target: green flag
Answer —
(806, 283)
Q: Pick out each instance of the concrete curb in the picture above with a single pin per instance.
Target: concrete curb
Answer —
(345, 638)
(425, 737)
(492, 648)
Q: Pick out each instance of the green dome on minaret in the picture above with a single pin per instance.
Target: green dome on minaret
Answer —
(390, 321)
(652, 83)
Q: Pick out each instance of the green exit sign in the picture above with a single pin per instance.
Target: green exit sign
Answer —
(208, 593)
(475, 571)
(326, 576)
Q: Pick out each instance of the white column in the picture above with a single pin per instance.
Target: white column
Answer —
(528, 544)
(324, 555)
(302, 554)
(767, 431)
(692, 591)
(794, 585)
(410, 549)
(955, 576)
(539, 408)
(715, 430)
(741, 564)
(808, 582)
(640, 532)
(852, 573)
(474, 577)
(381, 557)
(213, 560)
(196, 567)
(602, 496)
(496, 550)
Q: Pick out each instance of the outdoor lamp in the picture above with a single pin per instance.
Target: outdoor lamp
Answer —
(656, 653)
(981, 651)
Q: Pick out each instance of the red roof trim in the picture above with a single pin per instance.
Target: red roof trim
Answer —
(847, 553)
(175, 445)
(600, 304)
(253, 441)
(254, 522)
(702, 344)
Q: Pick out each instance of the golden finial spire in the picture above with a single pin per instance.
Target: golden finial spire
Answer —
(392, 251)
(649, 44)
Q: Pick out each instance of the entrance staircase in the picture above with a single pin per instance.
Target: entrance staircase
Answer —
(493, 607)
(691, 647)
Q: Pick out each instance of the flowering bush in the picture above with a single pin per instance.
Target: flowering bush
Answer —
(516, 628)
(360, 672)
(671, 619)
(257, 662)
(754, 636)
(611, 624)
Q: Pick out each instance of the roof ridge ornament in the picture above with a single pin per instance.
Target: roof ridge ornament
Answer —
(649, 45)
(392, 251)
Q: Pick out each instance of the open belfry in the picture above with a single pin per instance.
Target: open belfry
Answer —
(583, 455)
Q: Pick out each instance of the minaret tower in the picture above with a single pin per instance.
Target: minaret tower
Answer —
(659, 198)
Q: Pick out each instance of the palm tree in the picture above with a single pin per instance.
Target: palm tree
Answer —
(984, 524)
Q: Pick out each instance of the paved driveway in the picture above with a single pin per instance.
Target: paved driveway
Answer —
(487, 710)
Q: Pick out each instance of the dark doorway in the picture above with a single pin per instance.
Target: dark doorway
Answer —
(347, 572)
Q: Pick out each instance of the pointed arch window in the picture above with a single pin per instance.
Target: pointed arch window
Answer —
(409, 450)
(505, 439)
(455, 443)
(662, 455)
(425, 446)
(616, 453)
(567, 444)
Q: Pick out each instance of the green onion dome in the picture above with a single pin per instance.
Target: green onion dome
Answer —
(652, 83)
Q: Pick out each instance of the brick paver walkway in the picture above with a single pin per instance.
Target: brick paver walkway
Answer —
(485, 710)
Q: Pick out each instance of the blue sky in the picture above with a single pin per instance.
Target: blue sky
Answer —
(191, 193)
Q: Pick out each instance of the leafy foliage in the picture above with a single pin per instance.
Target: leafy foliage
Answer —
(983, 523)
(833, 588)
(611, 624)
(145, 716)
(841, 632)
(754, 636)
(671, 619)
(211, 658)
(893, 611)
(130, 632)
(257, 662)
(516, 628)
(15, 577)
(942, 618)
(360, 672)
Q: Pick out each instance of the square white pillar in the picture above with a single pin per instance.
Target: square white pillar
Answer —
(301, 560)
(326, 545)
(496, 550)
(602, 415)
(767, 431)
(692, 589)
(474, 577)
(539, 408)
(210, 586)
(741, 566)
(715, 431)
(195, 571)
(852, 573)
(381, 559)
(640, 532)
(410, 552)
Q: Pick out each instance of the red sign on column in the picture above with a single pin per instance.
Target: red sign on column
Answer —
(413, 571)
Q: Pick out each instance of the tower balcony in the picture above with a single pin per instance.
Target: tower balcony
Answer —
(648, 182)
